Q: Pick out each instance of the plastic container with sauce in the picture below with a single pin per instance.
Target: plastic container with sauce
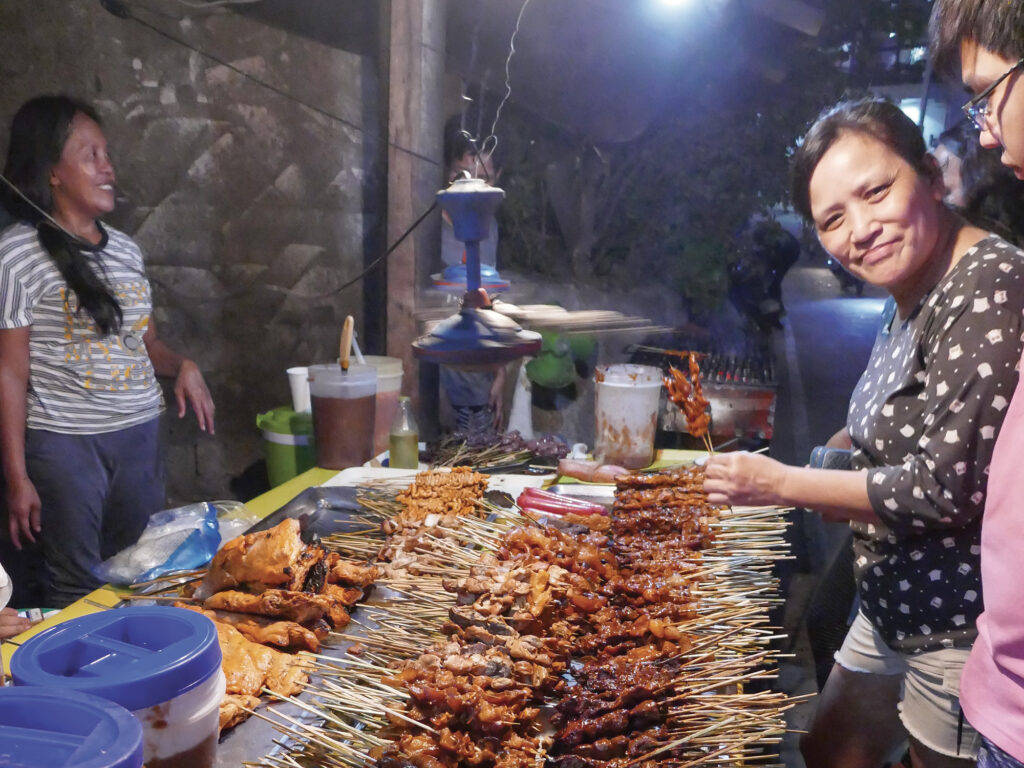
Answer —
(343, 414)
(389, 388)
(626, 401)
(54, 728)
(163, 664)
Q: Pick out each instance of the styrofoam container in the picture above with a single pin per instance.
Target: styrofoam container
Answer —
(163, 664)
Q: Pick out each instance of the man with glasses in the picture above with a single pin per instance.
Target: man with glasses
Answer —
(984, 40)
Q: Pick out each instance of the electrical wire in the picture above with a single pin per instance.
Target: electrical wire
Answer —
(508, 84)
(485, 149)
(288, 291)
(372, 265)
(48, 219)
(121, 10)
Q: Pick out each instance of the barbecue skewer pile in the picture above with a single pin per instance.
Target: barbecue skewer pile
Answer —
(589, 645)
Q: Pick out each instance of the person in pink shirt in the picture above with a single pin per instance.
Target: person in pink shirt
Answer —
(984, 39)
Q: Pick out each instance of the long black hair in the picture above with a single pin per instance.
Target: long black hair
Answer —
(39, 131)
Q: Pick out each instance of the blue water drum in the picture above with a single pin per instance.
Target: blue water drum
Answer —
(162, 664)
(54, 728)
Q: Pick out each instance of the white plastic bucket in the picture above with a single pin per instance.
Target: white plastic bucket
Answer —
(626, 414)
(389, 388)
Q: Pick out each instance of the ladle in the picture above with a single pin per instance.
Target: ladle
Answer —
(345, 348)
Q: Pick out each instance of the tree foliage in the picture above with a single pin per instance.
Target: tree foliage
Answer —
(670, 206)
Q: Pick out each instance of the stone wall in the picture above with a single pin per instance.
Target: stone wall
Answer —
(252, 209)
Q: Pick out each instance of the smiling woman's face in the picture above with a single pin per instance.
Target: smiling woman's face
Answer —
(82, 181)
(875, 213)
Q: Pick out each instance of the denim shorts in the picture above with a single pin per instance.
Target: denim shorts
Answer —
(991, 756)
(930, 697)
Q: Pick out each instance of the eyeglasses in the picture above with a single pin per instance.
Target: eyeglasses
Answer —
(977, 108)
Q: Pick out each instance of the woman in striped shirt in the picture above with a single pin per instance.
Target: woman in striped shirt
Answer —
(79, 354)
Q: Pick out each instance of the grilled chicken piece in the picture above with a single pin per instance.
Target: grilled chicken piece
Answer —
(233, 708)
(301, 607)
(344, 595)
(348, 573)
(299, 570)
(278, 603)
(335, 600)
(257, 561)
(240, 671)
(248, 667)
(259, 629)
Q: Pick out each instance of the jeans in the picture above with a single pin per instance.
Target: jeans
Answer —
(97, 493)
(991, 756)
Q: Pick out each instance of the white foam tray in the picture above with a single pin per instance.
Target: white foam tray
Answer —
(511, 484)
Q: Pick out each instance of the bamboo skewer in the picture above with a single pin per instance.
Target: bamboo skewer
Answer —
(709, 713)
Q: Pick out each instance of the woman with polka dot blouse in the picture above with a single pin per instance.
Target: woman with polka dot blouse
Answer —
(922, 424)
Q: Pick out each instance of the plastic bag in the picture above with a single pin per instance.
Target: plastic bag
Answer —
(234, 519)
(180, 539)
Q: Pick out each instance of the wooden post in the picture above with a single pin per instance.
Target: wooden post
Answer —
(414, 131)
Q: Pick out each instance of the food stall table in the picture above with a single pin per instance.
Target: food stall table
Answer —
(109, 596)
(253, 744)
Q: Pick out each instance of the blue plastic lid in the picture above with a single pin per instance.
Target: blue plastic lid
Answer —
(136, 657)
(51, 728)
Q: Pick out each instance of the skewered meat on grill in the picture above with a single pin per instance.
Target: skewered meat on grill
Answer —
(432, 510)
(443, 493)
(689, 478)
(233, 708)
(688, 394)
(300, 607)
(604, 610)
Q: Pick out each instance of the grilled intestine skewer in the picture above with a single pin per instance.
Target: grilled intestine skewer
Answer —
(688, 394)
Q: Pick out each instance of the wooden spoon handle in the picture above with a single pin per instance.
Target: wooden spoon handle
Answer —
(346, 342)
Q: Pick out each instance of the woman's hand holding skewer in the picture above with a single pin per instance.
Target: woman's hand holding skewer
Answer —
(744, 479)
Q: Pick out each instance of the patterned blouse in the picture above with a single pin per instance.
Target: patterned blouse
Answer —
(923, 420)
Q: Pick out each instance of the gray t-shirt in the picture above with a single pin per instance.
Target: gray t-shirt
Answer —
(80, 382)
(923, 420)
